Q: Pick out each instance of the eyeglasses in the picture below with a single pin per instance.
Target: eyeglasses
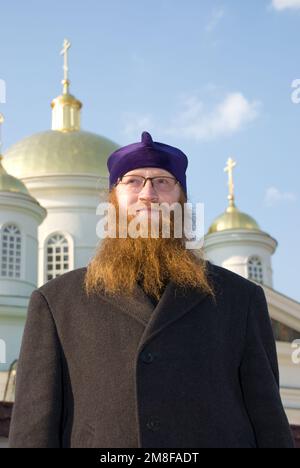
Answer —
(135, 183)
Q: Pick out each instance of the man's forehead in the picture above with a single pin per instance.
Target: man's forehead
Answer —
(149, 171)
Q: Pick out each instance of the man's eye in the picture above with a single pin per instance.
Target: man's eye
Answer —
(132, 181)
(162, 181)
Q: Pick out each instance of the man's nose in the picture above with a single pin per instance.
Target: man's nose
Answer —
(148, 192)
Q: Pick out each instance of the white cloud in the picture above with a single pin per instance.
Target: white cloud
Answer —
(134, 124)
(228, 117)
(274, 196)
(216, 16)
(281, 5)
(193, 119)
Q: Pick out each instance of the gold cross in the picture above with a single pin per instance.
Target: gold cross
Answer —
(64, 52)
(229, 168)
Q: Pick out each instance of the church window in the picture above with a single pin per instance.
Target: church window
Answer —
(58, 255)
(11, 242)
(255, 269)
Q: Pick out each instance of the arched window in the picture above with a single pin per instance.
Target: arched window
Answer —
(255, 269)
(11, 252)
(57, 256)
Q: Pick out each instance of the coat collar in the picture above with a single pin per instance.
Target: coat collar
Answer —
(174, 303)
(138, 306)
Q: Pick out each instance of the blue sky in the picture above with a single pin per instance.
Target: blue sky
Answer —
(213, 78)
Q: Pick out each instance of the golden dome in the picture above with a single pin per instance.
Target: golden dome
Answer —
(233, 218)
(54, 152)
(64, 150)
(9, 183)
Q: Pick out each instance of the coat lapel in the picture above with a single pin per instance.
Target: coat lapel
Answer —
(174, 303)
(138, 306)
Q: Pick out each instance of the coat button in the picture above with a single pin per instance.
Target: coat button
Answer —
(147, 357)
(153, 424)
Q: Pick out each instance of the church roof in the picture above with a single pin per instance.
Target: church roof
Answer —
(9, 183)
(57, 152)
(233, 218)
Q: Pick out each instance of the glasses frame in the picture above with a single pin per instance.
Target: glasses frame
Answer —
(119, 181)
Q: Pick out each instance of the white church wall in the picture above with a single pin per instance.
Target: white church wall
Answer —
(233, 249)
(71, 208)
(26, 215)
(11, 331)
(289, 382)
(79, 227)
(22, 211)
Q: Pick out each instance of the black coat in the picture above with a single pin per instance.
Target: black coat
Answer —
(113, 372)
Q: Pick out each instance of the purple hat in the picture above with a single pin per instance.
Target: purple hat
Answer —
(147, 153)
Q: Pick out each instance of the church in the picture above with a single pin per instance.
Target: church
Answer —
(50, 185)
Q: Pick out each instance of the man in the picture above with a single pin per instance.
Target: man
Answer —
(150, 345)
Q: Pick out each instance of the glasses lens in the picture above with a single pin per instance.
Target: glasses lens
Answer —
(133, 182)
(164, 184)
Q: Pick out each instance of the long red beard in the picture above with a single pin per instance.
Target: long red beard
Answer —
(120, 262)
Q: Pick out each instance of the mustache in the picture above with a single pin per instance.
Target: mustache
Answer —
(154, 207)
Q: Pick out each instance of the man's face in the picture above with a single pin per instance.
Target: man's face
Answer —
(126, 197)
(122, 261)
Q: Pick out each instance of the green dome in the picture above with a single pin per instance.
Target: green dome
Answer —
(9, 183)
(56, 152)
(233, 218)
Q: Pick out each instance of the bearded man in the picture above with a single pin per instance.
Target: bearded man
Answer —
(150, 345)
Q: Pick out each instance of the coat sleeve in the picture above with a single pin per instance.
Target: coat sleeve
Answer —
(38, 401)
(259, 374)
